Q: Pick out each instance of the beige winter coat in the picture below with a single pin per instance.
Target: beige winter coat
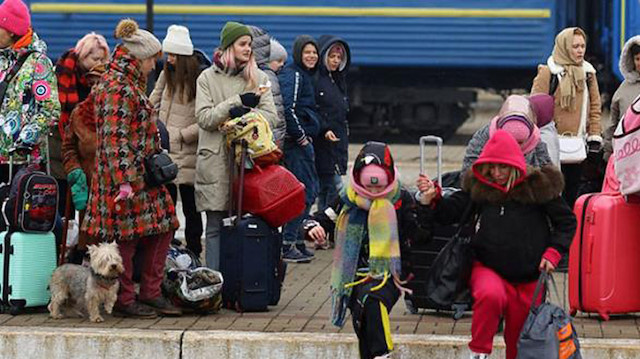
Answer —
(180, 119)
(218, 92)
(625, 94)
(568, 121)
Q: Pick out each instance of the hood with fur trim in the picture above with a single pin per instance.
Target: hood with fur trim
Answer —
(626, 65)
(540, 186)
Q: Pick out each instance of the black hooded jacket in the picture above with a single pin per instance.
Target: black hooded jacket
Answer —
(298, 96)
(333, 105)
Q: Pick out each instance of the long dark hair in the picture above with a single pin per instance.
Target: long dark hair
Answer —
(182, 77)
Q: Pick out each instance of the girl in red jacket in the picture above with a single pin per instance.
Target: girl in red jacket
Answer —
(521, 226)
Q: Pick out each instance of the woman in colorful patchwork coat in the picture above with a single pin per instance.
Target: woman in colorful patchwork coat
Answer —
(30, 105)
(121, 206)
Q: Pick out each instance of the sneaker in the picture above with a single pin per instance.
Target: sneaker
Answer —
(305, 252)
(478, 356)
(161, 305)
(134, 310)
(292, 255)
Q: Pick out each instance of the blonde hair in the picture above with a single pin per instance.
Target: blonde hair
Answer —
(514, 174)
(249, 72)
(91, 41)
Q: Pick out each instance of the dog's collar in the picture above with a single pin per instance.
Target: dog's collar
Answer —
(102, 281)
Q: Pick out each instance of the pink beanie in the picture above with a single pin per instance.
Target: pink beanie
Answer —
(543, 105)
(374, 175)
(15, 17)
(517, 126)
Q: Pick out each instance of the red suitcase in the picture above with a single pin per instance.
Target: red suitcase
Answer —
(604, 260)
(274, 194)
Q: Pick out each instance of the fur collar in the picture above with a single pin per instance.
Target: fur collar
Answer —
(626, 65)
(558, 69)
(540, 186)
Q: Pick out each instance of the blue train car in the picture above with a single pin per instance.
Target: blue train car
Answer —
(412, 59)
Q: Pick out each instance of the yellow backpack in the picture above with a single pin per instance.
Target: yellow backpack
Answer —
(255, 130)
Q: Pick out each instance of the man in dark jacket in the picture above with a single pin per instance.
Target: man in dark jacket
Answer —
(303, 124)
(332, 143)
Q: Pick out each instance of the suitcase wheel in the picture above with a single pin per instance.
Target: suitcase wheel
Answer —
(604, 316)
(15, 310)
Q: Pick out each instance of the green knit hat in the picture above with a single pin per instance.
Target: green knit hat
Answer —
(231, 32)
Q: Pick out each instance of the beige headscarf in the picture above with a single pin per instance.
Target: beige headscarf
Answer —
(574, 78)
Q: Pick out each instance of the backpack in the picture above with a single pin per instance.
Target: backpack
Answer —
(32, 203)
(626, 150)
(254, 129)
(548, 331)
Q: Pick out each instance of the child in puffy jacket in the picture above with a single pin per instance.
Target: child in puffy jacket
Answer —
(523, 227)
(374, 227)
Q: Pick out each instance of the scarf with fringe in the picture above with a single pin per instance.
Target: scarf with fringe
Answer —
(361, 216)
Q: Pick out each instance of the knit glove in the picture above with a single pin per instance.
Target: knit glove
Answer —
(79, 189)
(238, 111)
(250, 99)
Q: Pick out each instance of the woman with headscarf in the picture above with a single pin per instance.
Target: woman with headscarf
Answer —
(572, 81)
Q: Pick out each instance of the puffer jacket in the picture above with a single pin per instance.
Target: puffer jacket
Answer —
(217, 92)
(625, 94)
(298, 96)
(568, 121)
(333, 106)
(261, 45)
(514, 229)
(31, 107)
(179, 118)
(126, 135)
(512, 106)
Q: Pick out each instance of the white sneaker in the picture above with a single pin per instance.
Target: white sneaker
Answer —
(386, 356)
(478, 356)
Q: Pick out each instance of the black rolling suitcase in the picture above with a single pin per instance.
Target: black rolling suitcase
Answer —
(423, 255)
(250, 256)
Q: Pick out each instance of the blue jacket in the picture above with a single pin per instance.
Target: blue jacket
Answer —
(298, 96)
(333, 105)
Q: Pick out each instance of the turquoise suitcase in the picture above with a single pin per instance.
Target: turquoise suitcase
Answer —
(27, 261)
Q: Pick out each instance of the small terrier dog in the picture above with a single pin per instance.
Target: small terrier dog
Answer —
(83, 289)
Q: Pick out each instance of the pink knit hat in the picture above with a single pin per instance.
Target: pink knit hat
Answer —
(543, 105)
(15, 17)
(524, 132)
(374, 175)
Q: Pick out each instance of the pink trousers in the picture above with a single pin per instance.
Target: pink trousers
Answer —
(494, 298)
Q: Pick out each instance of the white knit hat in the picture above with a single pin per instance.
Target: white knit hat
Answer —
(177, 41)
(276, 51)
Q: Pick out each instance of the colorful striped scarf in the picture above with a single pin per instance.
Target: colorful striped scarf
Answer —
(358, 217)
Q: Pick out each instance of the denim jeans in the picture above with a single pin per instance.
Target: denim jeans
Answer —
(212, 239)
(300, 160)
(330, 186)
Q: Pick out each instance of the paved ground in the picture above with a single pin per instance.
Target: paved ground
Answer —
(305, 305)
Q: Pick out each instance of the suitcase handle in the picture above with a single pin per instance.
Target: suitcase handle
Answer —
(590, 244)
(232, 169)
(424, 140)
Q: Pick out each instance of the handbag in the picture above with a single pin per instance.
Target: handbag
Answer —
(159, 169)
(447, 282)
(548, 331)
(573, 149)
(626, 150)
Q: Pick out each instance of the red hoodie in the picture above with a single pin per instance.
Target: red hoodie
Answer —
(501, 148)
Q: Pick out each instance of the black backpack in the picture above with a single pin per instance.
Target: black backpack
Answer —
(32, 203)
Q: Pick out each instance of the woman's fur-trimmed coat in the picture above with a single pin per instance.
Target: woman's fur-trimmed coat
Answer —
(514, 229)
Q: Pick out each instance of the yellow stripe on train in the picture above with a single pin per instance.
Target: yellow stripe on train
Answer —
(37, 7)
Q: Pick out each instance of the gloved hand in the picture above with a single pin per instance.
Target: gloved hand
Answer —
(126, 192)
(250, 99)
(79, 189)
(238, 111)
(594, 153)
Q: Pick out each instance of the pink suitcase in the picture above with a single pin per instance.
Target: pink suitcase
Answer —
(604, 260)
